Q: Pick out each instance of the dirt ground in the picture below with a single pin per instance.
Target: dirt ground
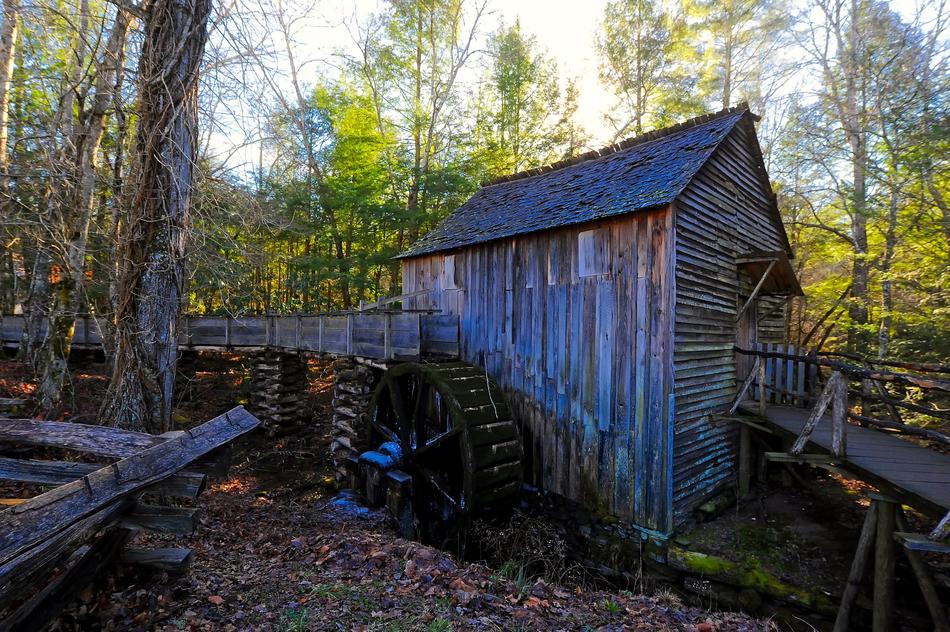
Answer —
(278, 549)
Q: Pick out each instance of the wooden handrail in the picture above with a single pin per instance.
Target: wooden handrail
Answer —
(835, 394)
(853, 371)
(920, 367)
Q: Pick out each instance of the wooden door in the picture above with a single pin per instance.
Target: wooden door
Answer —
(747, 336)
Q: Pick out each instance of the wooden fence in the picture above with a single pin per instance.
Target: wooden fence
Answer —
(94, 509)
(377, 335)
(789, 381)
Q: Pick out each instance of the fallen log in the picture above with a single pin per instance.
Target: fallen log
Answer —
(183, 484)
(24, 526)
(85, 563)
(98, 440)
(22, 572)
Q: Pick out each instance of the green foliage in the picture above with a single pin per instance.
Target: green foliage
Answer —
(612, 607)
(516, 126)
(293, 620)
(648, 61)
(440, 625)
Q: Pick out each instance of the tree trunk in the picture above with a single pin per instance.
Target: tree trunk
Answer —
(68, 299)
(152, 244)
(887, 297)
(8, 35)
(859, 308)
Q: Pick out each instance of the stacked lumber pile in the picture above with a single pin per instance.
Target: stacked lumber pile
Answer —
(353, 384)
(278, 384)
(53, 544)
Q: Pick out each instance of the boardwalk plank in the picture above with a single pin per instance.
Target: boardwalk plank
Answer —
(923, 475)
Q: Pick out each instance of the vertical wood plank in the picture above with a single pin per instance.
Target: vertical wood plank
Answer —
(883, 608)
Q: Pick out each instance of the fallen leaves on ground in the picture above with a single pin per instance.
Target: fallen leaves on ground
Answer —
(290, 564)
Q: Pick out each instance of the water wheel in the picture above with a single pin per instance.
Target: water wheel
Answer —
(457, 440)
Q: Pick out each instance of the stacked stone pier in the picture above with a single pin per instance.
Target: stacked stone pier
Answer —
(353, 382)
(278, 387)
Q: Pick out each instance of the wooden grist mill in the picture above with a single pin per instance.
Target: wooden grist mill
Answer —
(609, 330)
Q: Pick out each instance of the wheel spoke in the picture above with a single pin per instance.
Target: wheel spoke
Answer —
(399, 406)
(436, 441)
(386, 432)
(433, 481)
(419, 413)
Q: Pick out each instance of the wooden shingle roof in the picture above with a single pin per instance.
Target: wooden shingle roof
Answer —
(641, 173)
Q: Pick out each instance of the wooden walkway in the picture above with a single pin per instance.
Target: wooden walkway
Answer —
(377, 335)
(919, 476)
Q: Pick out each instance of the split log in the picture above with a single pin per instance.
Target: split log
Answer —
(162, 519)
(98, 440)
(20, 574)
(182, 485)
(24, 526)
(85, 564)
(169, 560)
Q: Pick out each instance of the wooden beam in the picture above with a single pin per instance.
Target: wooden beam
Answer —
(804, 459)
(745, 460)
(922, 573)
(839, 420)
(940, 531)
(855, 371)
(816, 413)
(390, 301)
(24, 526)
(755, 291)
(85, 564)
(98, 440)
(183, 484)
(19, 575)
(861, 554)
(884, 565)
(920, 542)
(170, 560)
(745, 385)
(162, 519)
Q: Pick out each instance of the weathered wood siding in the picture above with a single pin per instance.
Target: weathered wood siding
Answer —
(725, 211)
(382, 336)
(576, 324)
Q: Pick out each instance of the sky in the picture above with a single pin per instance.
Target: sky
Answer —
(565, 29)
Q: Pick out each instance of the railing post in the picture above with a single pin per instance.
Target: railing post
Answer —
(387, 336)
(839, 416)
(349, 334)
(883, 609)
(762, 362)
(821, 406)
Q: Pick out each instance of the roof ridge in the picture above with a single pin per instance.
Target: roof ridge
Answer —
(619, 146)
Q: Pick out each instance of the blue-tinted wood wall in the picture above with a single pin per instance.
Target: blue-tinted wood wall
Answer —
(577, 325)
